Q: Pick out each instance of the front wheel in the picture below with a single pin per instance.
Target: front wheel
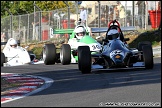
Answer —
(148, 56)
(140, 45)
(84, 59)
(49, 54)
(65, 54)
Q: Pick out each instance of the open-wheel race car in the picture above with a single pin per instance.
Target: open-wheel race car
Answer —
(14, 55)
(115, 53)
(68, 52)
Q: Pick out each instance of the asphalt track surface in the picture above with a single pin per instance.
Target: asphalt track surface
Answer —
(71, 88)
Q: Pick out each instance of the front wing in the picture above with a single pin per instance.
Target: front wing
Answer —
(135, 65)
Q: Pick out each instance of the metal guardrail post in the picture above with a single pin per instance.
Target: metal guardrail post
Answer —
(40, 22)
(68, 17)
(146, 15)
(133, 12)
(77, 9)
(99, 16)
(125, 14)
(11, 25)
(66, 2)
(28, 28)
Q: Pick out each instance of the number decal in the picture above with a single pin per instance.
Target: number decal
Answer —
(115, 52)
(95, 47)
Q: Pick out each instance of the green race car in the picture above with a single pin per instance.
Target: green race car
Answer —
(68, 52)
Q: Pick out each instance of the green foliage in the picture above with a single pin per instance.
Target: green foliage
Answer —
(24, 7)
(38, 52)
(153, 36)
(4, 4)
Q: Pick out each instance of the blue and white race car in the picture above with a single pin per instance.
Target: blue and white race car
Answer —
(115, 53)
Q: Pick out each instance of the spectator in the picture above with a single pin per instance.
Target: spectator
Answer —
(4, 36)
(36, 24)
(83, 15)
(121, 11)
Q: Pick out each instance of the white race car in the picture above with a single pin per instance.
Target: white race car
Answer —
(14, 55)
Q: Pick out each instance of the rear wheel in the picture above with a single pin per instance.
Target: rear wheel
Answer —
(49, 54)
(2, 58)
(148, 56)
(65, 54)
(84, 59)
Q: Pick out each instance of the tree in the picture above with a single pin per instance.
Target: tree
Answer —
(22, 7)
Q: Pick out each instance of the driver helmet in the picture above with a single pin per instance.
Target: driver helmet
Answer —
(113, 33)
(13, 43)
(80, 32)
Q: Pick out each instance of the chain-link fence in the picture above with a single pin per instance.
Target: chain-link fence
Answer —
(21, 27)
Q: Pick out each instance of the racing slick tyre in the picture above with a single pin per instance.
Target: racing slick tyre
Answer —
(2, 58)
(65, 54)
(49, 54)
(148, 56)
(140, 44)
(84, 59)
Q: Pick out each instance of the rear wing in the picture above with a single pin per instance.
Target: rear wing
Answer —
(104, 29)
(60, 31)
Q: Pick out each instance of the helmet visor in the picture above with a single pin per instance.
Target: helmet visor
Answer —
(13, 46)
(80, 34)
(113, 36)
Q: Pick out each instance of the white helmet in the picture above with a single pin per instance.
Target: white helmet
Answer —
(13, 42)
(113, 33)
(80, 32)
